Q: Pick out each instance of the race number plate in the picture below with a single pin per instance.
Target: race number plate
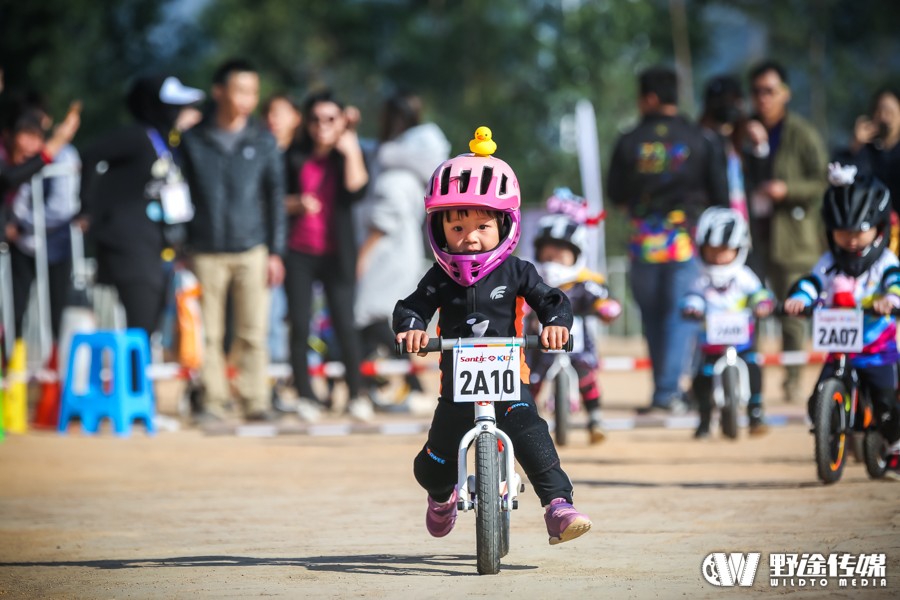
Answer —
(486, 373)
(837, 330)
(728, 328)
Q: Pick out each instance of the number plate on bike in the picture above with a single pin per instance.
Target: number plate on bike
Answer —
(486, 372)
(728, 328)
(837, 330)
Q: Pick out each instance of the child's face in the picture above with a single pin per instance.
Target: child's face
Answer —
(556, 253)
(854, 241)
(471, 231)
(718, 255)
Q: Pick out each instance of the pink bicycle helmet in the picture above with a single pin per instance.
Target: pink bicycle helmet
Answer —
(473, 182)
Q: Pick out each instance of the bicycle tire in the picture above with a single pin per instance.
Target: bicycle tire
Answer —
(561, 417)
(856, 441)
(875, 453)
(487, 508)
(731, 388)
(831, 437)
(505, 514)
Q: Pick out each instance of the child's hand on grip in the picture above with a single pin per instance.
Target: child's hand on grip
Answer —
(554, 337)
(414, 339)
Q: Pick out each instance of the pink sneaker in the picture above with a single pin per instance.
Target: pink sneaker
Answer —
(564, 523)
(893, 466)
(441, 516)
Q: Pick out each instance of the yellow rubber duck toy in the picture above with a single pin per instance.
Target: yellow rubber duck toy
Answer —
(482, 144)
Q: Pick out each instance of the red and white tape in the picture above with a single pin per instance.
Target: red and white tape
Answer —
(394, 367)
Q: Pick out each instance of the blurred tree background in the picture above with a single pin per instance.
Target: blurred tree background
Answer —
(518, 66)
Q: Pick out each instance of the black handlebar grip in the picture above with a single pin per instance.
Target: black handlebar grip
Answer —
(534, 341)
(433, 345)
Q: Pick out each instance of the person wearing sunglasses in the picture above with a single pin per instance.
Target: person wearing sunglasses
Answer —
(786, 162)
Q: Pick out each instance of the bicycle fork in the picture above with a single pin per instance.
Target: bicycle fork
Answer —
(730, 359)
(486, 422)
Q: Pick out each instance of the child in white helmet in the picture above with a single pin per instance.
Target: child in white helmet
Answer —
(559, 252)
(726, 285)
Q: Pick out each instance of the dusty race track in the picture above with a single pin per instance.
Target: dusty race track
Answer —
(186, 515)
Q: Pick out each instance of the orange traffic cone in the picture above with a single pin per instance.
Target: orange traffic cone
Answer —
(47, 414)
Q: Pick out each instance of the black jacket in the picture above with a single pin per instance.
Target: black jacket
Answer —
(498, 298)
(667, 163)
(239, 196)
(116, 200)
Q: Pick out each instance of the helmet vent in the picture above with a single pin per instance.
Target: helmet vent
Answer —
(486, 175)
(464, 178)
(502, 191)
(445, 181)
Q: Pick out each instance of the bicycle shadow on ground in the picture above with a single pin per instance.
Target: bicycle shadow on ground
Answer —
(371, 564)
(699, 485)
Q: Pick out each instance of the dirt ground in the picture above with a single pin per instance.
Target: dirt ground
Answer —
(189, 515)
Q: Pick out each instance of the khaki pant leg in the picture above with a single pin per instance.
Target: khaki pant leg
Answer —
(251, 326)
(794, 330)
(213, 272)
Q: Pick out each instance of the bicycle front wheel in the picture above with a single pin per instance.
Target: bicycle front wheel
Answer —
(487, 508)
(731, 387)
(831, 435)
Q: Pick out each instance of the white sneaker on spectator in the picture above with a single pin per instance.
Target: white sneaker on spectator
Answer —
(308, 410)
(361, 409)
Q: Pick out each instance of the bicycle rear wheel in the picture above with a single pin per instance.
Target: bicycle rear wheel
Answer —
(487, 507)
(731, 387)
(505, 514)
(561, 392)
(830, 433)
(875, 449)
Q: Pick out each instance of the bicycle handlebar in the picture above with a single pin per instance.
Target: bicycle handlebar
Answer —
(808, 311)
(440, 344)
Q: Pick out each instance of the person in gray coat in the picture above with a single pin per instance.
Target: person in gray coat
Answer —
(394, 216)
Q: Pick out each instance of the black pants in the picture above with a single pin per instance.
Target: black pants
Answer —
(435, 467)
(144, 302)
(301, 271)
(702, 386)
(24, 273)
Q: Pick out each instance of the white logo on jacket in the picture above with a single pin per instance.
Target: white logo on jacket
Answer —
(498, 292)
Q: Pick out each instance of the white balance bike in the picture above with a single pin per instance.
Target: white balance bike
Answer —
(487, 370)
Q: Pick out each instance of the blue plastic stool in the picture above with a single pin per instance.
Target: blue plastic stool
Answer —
(129, 395)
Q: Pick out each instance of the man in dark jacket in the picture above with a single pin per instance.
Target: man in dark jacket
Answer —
(235, 173)
(665, 173)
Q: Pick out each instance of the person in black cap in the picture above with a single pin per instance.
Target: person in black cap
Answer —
(724, 114)
(134, 198)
